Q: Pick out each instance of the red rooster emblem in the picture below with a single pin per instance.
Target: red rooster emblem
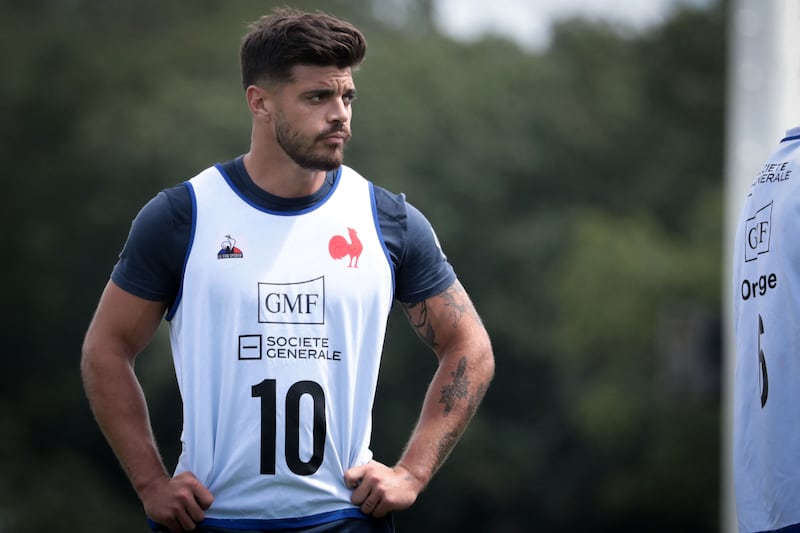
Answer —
(339, 247)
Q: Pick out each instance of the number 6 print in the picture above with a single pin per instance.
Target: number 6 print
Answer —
(763, 380)
(267, 391)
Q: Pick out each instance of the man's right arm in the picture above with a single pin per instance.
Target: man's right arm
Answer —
(122, 326)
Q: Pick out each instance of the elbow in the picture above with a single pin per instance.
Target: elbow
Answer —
(474, 351)
(97, 359)
(88, 362)
(481, 358)
(486, 360)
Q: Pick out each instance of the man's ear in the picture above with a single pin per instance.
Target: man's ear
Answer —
(259, 102)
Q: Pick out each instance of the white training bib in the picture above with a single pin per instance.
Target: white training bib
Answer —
(277, 339)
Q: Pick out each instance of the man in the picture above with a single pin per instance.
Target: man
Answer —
(766, 285)
(276, 272)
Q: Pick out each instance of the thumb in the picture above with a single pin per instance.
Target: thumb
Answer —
(353, 476)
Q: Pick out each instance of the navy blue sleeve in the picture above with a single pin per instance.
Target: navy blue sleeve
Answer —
(421, 268)
(151, 262)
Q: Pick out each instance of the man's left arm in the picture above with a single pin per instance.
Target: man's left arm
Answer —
(450, 326)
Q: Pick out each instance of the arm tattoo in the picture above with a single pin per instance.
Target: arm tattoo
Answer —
(458, 389)
(423, 314)
(458, 310)
(449, 440)
(446, 446)
(421, 324)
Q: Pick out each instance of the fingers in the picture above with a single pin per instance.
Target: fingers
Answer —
(197, 499)
(354, 479)
(179, 503)
(353, 476)
(361, 494)
(186, 522)
(364, 494)
(372, 506)
(203, 496)
(365, 480)
(186, 511)
(361, 480)
(191, 496)
(368, 499)
(379, 490)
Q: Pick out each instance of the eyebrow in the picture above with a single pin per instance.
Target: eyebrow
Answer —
(327, 91)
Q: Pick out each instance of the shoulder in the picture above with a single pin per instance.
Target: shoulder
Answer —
(150, 263)
(421, 267)
(394, 210)
(391, 206)
(172, 205)
(169, 209)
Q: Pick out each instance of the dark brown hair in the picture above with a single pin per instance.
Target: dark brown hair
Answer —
(286, 37)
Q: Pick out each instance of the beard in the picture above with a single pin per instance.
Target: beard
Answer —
(305, 151)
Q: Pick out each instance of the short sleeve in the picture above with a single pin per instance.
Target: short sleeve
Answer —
(421, 267)
(151, 262)
(424, 270)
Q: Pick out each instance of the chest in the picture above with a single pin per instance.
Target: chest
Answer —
(296, 268)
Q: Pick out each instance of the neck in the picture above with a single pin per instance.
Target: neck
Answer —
(281, 176)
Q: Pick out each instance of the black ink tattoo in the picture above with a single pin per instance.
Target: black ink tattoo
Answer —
(423, 314)
(457, 390)
(446, 445)
(449, 440)
(421, 324)
(458, 310)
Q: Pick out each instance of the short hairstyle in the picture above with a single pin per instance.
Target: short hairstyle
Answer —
(287, 37)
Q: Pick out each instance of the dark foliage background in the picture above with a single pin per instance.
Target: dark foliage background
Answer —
(577, 190)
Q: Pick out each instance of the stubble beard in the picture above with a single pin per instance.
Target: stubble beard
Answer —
(303, 152)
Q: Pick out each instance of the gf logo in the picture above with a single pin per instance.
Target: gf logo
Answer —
(758, 230)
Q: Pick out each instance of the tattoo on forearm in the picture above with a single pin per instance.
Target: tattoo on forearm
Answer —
(458, 389)
(449, 440)
(446, 445)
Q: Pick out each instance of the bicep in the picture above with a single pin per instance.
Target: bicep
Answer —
(446, 319)
(123, 324)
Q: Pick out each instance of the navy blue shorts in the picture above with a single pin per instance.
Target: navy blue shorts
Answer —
(346, 525)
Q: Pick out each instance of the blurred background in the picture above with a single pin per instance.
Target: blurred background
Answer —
(571, 164)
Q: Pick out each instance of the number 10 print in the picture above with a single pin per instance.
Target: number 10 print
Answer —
(267, 391)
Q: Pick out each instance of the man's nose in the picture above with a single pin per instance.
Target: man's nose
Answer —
(339, 111)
